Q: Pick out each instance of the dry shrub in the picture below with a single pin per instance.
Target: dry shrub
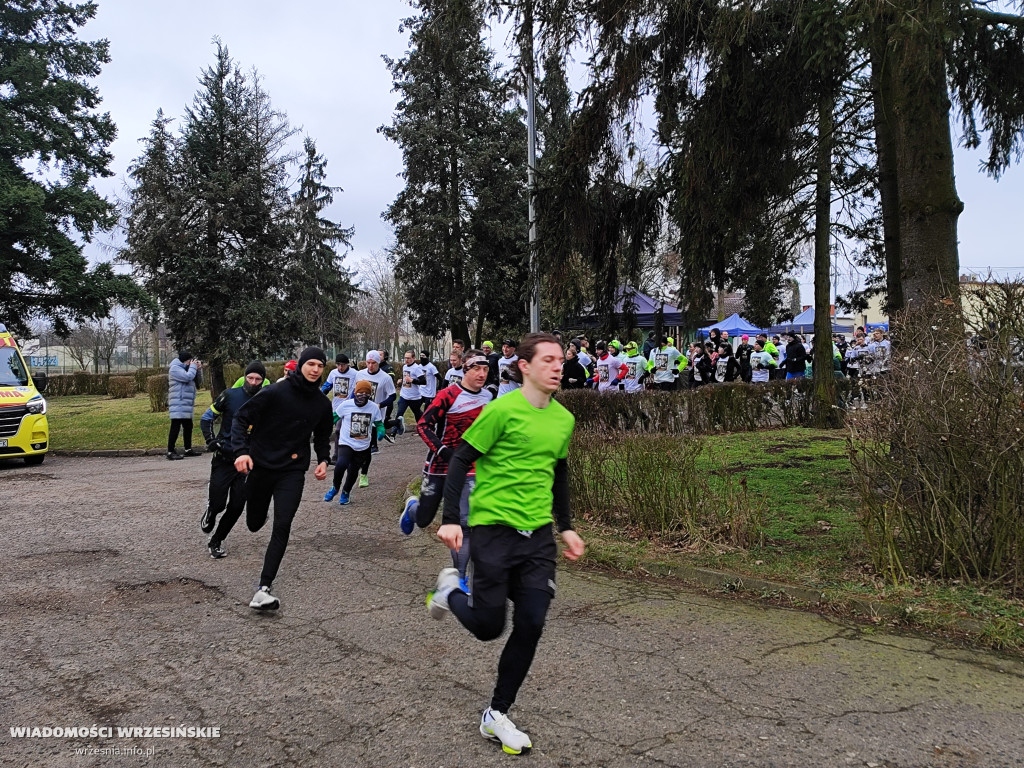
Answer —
(121, 387)
(157, 387)
(938, 456)
(658, 485)
(710, 409)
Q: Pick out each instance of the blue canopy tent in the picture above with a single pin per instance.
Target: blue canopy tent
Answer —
(734, 325)
(644, 310)
(873, 326)
(804, 323)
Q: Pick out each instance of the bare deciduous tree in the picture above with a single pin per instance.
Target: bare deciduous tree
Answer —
(380, 317)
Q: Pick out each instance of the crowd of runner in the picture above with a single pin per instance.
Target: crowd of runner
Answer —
(496, 467)
(659, 364)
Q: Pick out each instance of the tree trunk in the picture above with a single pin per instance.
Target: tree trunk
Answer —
(881, 86)
(217, 382)
(825, 412)
(478, 339)
(919, 120)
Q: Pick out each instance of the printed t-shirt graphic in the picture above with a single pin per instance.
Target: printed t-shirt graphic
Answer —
(343, 384)
(356, 424)
(634, 369)
(454, 375)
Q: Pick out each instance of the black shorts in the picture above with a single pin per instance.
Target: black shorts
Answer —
(506, 562)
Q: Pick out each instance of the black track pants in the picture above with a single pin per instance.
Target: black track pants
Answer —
(227, 489)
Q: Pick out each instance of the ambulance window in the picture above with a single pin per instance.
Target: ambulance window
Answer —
(12, 370)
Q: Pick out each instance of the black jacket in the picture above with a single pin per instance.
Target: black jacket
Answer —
(492, 368)
(274, 427)
(225, 407)
(573, 369)
(796, 357)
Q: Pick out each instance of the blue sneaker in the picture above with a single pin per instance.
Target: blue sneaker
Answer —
(407, 522)
(329, 496)
(343, 498)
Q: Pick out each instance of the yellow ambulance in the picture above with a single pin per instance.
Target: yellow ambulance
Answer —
(24, 433)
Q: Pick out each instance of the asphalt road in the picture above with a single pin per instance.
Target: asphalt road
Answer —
(115, 616)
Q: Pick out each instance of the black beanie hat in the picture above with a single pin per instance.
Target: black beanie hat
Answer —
(184, 356)
(311, 353)
(256, 367)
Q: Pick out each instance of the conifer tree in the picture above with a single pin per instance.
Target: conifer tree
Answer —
(206, 225)
(53, 141)
(460, 222)
(317, 286)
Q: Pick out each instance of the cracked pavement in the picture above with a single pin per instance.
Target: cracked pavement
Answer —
(115, 615)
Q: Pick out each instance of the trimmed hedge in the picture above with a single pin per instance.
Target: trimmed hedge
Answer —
(736, 407)
(121, 387)
(158, 388)
(78, 383)
(85, 383)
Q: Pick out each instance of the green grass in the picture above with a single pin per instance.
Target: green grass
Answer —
(89, 422)
(803, 475)
(813, 538)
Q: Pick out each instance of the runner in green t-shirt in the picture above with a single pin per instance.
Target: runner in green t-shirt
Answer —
(519, 444)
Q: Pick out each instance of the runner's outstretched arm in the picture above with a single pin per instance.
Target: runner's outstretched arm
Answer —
(562, 513)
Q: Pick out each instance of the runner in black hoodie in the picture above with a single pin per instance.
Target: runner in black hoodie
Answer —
(270, 436)
(796, 358)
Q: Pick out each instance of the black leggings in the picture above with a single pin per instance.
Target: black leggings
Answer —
(352, 460)
(185, 426)
(284, 486)
(227, 488)
(487, 623)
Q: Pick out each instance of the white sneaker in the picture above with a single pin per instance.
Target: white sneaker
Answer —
(497, 727)
(264, 601)
(437, 601)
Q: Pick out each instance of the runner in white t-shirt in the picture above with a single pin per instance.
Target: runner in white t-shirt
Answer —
(454, 373)
(428, 390)
(636, 368)
(339, 385)
(505, 363)
(358, 420)
(409, 397)
(382, 392)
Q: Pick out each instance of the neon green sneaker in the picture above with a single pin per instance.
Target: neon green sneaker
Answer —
(364, 481)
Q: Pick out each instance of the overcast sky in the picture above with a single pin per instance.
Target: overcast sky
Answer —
(321, 64)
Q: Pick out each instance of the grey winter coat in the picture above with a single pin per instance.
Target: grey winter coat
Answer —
(181, 391)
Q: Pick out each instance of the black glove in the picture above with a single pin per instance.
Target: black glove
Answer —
(444, 453)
